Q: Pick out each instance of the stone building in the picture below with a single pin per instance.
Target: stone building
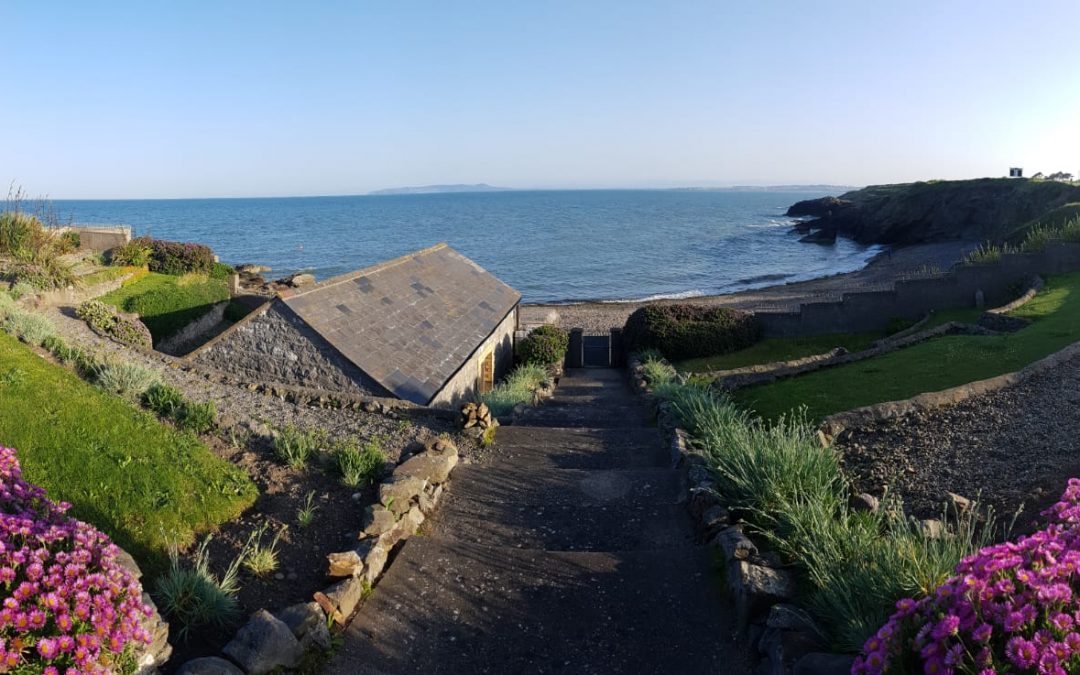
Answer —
(431, 327)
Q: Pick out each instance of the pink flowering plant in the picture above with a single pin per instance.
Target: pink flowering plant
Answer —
(1010, 608)
(68, 605)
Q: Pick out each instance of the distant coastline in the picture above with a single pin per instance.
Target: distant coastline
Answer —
(439, 189)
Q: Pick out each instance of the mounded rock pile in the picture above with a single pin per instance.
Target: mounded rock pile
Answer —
(476, 418)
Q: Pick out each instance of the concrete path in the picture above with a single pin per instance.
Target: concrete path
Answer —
(570, 551)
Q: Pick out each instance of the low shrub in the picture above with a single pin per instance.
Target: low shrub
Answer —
(22, 289)
(518, 387)
(221, 271)
(1011, 607)
(359, 464)
(194, 596)
(69, 241)
(294, 446)
(164, 400)
(33, 252)
(129, 380)
(107, 322)
(545, 345)
(70, 605)
(987, 254)
(30, 327)
(197, 417)
(684, 331)
(135, 253)
(173, 257)
(657, 373)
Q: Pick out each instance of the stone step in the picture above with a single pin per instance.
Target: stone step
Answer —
(527, 486)
(562, 527)
(549, 415)
(552, 447)
(464, 608)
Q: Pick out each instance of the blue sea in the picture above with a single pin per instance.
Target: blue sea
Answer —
(553, 246)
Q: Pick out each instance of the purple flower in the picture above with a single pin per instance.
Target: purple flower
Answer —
(1021, 652)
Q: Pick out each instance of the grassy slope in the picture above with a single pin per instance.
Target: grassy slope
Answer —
(770, 350)
(138, 480)
(930, 366)
(167, 303)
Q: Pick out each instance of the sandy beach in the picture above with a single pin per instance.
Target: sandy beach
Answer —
(879, 274)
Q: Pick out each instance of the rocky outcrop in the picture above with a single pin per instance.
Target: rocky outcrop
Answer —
(915, 213)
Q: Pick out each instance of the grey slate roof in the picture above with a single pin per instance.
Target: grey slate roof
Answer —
(409, 323)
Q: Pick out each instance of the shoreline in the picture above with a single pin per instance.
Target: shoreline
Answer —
(881, 271)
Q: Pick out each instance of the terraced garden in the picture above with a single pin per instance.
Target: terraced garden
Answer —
(930, 366)
(166, 303)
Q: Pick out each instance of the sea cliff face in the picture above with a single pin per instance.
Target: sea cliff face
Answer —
(915, 213)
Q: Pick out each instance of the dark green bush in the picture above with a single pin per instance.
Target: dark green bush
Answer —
(69, 241)
(685, 331)
(544, 346)
(221, 271)
(173, 257)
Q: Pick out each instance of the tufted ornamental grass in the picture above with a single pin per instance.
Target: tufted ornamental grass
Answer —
(30, 327)
(518, 387)
(359, 464)
(141, 482)
(793, 494)
(192, 596)
(129, 380)
(658, 372)
(294, 445)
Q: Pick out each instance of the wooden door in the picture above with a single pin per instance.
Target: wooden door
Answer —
(487, 372)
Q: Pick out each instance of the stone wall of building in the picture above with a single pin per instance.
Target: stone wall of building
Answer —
(461, 388)
(273, 345)
(857, 312)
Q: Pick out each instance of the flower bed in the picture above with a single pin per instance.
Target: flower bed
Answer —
(68, 601)
(1011, 607)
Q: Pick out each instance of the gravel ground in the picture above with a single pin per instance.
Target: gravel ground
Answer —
(1016, 447)
(879, 274)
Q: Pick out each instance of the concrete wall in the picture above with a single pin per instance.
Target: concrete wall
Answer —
(273, 345)
(462, 386)
(100, 238)
(871, 311)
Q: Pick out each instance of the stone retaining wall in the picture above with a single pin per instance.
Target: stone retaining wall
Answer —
(99, 237)
(272, 642)
(910, 299)
(190, 334)
(762, 589)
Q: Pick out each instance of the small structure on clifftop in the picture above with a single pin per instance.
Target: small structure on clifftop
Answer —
(431, 327)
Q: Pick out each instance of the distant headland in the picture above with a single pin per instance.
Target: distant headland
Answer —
(439, 189)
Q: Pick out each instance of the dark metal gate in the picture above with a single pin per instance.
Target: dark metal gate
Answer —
(597, 350)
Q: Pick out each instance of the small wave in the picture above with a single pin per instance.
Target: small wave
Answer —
(762, 278)
(662, 296)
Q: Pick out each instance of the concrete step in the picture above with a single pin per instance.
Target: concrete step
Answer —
(552, 447)
(464, 608)
(562, 527)
(526, 486)
(593, 416)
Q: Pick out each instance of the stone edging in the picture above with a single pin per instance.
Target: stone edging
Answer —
(761, 587)
(833, 425)
(1037, 284)
(272, 642)
(730, 380)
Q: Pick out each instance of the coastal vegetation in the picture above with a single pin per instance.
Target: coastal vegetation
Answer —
(166, 303)
(31, 253)
(137, 479)
(685, 331)
(929, 366)
(517, 388)
(544, 346)
(787, 488)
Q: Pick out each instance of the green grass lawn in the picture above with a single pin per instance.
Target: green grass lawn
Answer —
(167, 303)
(930, 366)
(138, 480)
(779, 349)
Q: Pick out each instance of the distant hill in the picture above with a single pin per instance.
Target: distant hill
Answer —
(439, 189)
(996, 209)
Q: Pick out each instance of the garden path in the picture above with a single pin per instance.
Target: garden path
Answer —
(569, 550)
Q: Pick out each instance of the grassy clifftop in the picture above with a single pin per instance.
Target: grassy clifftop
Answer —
(995, 209)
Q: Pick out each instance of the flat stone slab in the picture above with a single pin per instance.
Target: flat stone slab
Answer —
(465, 608)
(575, 487)
(563, 527)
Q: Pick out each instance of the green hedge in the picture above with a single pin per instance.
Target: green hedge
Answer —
(544, 346)
(685, 331)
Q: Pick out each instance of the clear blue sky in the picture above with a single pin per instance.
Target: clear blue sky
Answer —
(179, 99)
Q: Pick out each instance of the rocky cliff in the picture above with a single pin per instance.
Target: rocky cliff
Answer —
(914, 213)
